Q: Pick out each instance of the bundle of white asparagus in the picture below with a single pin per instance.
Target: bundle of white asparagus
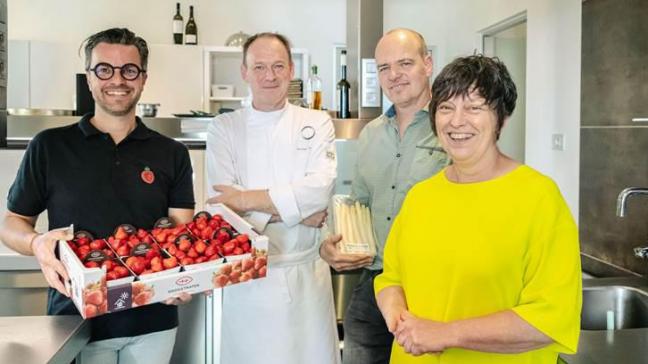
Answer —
(353, 221)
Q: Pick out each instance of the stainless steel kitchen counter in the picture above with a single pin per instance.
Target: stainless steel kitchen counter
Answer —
(21, 129)
(42, 339)
(629, 346)
(190, 131)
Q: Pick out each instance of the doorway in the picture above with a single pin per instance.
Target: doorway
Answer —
(506, 40)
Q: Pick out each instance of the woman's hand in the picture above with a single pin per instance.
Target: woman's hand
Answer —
(391, 302)
(420, 336)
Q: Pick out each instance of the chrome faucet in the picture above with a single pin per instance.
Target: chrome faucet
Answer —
(624, 195)
(640, 252)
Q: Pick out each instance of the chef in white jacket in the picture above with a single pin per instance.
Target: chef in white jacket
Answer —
(274, 163)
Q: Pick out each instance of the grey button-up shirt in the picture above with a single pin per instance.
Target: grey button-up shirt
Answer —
(387, 167)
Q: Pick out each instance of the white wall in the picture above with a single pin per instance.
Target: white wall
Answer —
(553, 67)
(312, 24)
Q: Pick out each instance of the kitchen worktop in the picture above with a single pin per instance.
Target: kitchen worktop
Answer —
(190, 131)
(42, 339)
(628, 346)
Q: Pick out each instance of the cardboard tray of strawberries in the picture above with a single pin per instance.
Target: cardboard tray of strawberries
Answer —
(134, 267)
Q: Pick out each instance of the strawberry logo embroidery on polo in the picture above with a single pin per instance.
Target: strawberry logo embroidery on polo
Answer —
(147, 175)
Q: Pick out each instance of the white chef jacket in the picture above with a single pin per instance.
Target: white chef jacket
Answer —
(289, 316)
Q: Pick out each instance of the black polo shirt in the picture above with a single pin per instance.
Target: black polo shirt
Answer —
(81, 177)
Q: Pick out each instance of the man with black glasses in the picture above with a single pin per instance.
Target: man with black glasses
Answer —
(90, 174)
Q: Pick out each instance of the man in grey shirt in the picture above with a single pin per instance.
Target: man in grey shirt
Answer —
(395, 151)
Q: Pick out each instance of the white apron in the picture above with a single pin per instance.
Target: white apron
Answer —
(289, 316)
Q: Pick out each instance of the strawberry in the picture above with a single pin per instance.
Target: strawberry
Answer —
(222, 235)
(141, 233)
(169, 263)
(161, 236)
(201, 259)
(228, 247)
(91, 264)
(184, 245)
(187, 261)
(121, 233)
(180, 254)
(200, 247)
(237, 251)
(121, 271)
(138, 267)
(108, 264)
(123, 251)
(210, 250)
(172, 249)
(246, 247)
(156, 261)
(97, 244)
(152, 254)
(192, 253)
(214, 257)
(242, 238)
(111, 276)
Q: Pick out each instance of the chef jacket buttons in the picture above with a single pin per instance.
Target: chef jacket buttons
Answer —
(393, 187)
(388, 218)
(398, 155)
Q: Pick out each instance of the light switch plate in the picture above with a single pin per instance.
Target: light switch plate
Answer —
(558, 141)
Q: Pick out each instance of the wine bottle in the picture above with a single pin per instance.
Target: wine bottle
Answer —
(314, 90)
(191, 31)
(343, 87)
(177, 26)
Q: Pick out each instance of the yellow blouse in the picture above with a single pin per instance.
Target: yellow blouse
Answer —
(466, 250)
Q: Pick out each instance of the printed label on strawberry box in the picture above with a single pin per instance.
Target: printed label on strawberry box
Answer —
(83, 234)
(95, 256)
(140, 249)
(184, 236)
(164, 223)
(128, 228)
(120, 297)
(202, 214)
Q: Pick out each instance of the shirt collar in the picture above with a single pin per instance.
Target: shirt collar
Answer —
(141, 132)
(420, 115)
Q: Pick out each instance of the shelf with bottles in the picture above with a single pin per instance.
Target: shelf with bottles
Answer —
(222, 67)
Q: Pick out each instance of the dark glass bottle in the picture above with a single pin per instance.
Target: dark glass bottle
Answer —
(178, 26)
(343, 88)
(191, 31)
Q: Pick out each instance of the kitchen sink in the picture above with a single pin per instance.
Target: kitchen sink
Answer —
(626, 307)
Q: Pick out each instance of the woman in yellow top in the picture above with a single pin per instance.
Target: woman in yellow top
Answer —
(482, 263)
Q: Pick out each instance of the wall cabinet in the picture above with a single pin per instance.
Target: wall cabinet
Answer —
(222, 67)
(42, 76)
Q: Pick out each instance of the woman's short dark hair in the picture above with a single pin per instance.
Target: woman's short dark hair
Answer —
(488, 76)
(280, 37)
(115, 36)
